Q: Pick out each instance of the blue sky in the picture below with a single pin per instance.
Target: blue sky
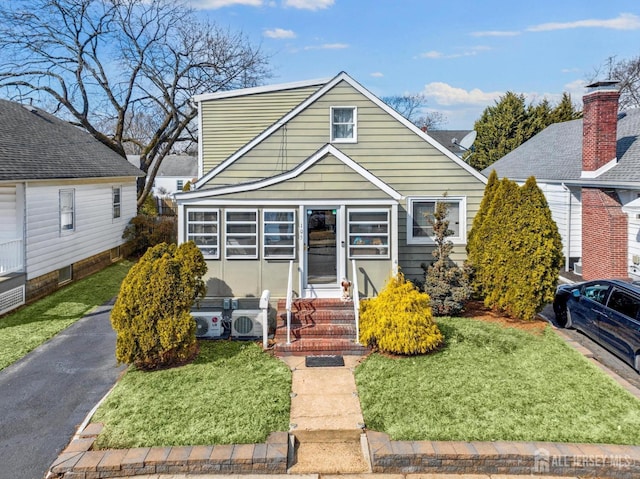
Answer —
(462, 55)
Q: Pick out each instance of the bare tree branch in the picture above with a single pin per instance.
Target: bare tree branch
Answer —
(125, 70)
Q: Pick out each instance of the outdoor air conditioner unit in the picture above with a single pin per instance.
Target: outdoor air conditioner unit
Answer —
(208, 324)
(246, 323)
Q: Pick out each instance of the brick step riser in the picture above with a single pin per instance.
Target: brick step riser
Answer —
(310, 347)
(348, 332)
(301, 305)
(324, 316)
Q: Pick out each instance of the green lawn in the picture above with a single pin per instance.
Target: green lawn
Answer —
(494, 383)
(232, 394)
(29, 327)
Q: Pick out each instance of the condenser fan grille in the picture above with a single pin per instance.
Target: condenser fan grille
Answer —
(243, 325)
(202, 326)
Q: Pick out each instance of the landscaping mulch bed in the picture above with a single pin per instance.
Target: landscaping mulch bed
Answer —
(477, 310)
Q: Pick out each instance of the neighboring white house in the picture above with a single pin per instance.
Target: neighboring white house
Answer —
(175, 171)
(589, 170)
(65, 199)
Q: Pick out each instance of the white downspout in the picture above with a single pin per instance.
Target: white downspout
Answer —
(568, 229)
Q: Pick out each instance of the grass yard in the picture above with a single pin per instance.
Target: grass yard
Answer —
(491, 382)
(29, 327)
(232, 394)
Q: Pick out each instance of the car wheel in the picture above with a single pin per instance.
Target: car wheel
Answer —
(561, 315)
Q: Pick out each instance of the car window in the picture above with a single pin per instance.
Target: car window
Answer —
(624, 303)
(595, 292)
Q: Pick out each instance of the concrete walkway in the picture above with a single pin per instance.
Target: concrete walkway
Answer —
(326, 420)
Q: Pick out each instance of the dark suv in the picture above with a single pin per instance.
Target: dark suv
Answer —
(607, 311)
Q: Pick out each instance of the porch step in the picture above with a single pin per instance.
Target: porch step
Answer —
(319, 327)
(319, 347)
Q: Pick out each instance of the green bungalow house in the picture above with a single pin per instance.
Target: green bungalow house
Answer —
(320, 179)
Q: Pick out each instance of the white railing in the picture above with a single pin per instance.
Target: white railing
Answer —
(264, 307)
(11, 256)
(356, 298)
(289, 300)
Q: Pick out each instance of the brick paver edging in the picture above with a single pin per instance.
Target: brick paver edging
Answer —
(530, 458)
(78, 461)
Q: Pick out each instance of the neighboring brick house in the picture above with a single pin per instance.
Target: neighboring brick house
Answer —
(589, 170)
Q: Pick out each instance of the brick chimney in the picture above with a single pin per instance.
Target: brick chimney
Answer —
(604, 224)
(599, 125)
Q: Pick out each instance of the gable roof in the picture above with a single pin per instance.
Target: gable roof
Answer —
(555, 155)
(35, 145)
(313, 98)
(294, 173)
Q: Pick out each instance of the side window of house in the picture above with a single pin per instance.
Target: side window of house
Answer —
(368, 233)
(179, 185)
(202, 229)
(241, 238)
(279, 238)
(344, 124)
(67, 210)
(116, 200)
(421, 212)
(624, 303)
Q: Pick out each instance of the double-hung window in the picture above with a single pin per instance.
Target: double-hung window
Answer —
(368, 233)
(279, 239)
(116, 201)
(420, 216)
(344, 124)
(241, 239)
(203, 230)
(67, 210)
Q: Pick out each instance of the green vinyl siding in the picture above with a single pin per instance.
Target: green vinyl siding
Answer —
(387, 148)
(230, 123)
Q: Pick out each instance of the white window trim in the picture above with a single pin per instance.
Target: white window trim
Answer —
(71, 191)
(217, 235)
(227, 246)
(354, 139)
(387, 246)
(461, 239)
(114, 204)
(293, 234)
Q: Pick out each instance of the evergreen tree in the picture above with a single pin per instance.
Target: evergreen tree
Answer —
(445, 283)
(475, 240)
(510, 122)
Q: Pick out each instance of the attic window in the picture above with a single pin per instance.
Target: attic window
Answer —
(344, 124)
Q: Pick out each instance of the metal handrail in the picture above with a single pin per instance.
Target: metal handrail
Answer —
(356, 298)
(11, 256)
(289, 300)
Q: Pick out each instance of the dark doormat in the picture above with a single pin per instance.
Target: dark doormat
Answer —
(323, 361)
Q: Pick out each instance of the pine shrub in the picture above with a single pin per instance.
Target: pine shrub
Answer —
(445, 282)
(151, 316)
(399, 320)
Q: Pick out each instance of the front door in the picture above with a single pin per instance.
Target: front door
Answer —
(321, 248)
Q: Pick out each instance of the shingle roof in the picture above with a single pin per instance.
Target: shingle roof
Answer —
(179, 165)
(446, 137)
(555, 154)
(35, 145)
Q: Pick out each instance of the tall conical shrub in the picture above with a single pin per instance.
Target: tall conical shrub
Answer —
(151, 316)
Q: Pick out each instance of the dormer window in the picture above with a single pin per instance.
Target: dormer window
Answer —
(343, 124)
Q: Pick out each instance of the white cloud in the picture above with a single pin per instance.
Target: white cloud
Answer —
(328, 46)
(624, 21)
(377, 74)
(468, 52)
(215, 4)
(445, 94)
(279, 33)
(309, 4)
(495, 33)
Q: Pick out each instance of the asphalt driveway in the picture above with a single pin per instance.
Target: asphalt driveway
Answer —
(46, 395)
